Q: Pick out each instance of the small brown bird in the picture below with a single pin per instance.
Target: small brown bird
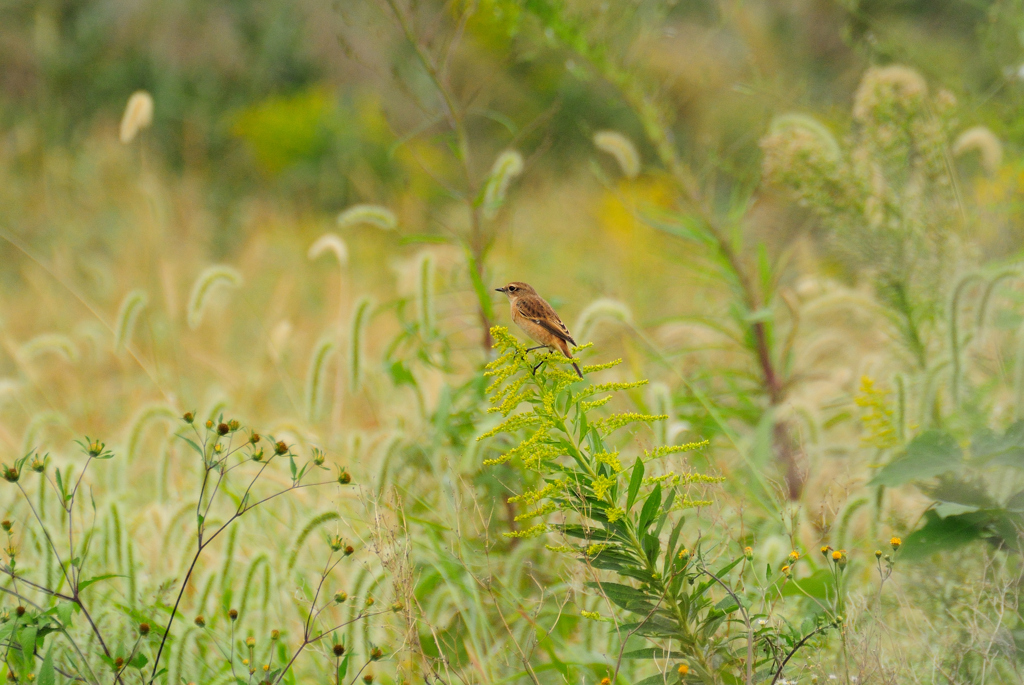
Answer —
(538, 320)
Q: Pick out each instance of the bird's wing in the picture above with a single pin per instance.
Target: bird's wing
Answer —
(541, 313)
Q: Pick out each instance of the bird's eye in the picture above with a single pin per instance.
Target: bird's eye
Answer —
(512, 288)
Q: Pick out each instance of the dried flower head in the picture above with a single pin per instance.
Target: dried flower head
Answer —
(189, 417)
(233, 614)
(11, 474)
(339, 650)
(200, 621)
(280, 448)
(7, 525)
(143, 629)
(20, 611)
(223, 428)
(344, 478)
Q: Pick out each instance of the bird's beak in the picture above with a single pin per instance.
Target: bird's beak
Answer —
(499, 290)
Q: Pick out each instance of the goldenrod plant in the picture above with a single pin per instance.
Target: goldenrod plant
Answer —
(681, 602)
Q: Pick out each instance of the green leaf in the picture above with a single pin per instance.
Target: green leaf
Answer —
(634, 483)
(400, 374)
(197, 448)
(941, 534)
(139, 661)
(930, 454)
(47, 673)
(292, 467)
(64, 613)
(988, 447)
(27, 640)
(483, 295)
(652, 653)
(651, 508)
(95, 579)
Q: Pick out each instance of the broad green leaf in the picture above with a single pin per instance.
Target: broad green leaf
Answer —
(651, 508)
(634, 483)
(988, 447)
(930, 454)
(95, 579)
(943, 534)
(47, 674)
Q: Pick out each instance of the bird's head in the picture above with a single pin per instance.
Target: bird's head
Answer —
(517, 289)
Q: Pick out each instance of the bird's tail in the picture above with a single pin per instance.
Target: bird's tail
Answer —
(565, 350)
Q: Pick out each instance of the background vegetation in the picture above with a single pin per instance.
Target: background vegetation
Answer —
(800, 220)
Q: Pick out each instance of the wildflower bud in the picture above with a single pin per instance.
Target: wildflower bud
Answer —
(793, 556)
(842, 558)
(683, 670)
(397, 606)
(200, 621)
(825, 550)
(878, 554)
(895, 543)
(340, 597)
(234, 425)
(377, 654)
(748, 553)
(257, 455)
(280, 448)
(339, 650)
(245, 662)
(38, 465)
(143, 629)
(222, 429)
(266, 667)
(684, 556)
(836, 556)
(20, 611)
(368, 678)
(233, 614)
(254, 438)
(275, 634)
(11, 474)
(95, 448)
(189, 417)
(335, 542)
(606, 681)
(369, 601)
(785, 571)
(318, 457)
(250, 642)
(887, 557)
(12, 677)
(209, 423)
(6, 525)
(349, 549)
(11, 551)
(344, 478)
(118, 663)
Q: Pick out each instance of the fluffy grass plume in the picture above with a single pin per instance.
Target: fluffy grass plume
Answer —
(980, 139)
(357, 332)
(425, 294)
(603, 308)
(49, 343)
(32, 438)
(622, 149)
(317, 379)
(127, 316)
(146, 416)
(329, 242)
(507, 166)
(138, 114)
(374, 215)
(213, 278)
